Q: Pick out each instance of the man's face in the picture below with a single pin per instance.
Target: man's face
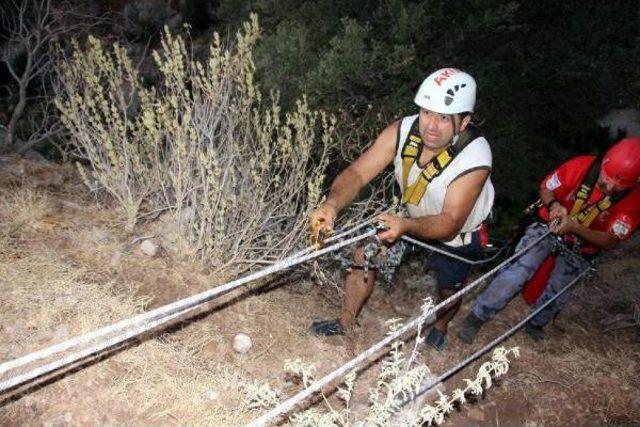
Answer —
(607, 186)
(436, 129)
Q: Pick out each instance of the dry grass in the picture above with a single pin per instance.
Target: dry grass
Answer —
(22, 211)
(46, 299)
(162, 381)
(54, 282)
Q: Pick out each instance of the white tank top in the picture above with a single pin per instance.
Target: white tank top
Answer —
(477, 154)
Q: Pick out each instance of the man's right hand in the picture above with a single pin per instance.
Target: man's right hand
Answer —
(557, 211)
(322, 221)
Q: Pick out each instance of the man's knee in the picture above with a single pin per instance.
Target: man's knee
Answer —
(359, 261)
(358, 255)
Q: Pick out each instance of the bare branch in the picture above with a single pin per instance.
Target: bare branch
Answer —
(33, 29)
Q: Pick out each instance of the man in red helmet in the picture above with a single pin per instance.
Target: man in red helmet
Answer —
(594, 204)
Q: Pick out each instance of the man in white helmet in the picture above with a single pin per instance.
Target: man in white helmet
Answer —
(442, 164)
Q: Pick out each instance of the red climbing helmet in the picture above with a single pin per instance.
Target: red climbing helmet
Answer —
(621, 164)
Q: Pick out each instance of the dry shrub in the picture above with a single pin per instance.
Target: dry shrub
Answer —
(101, 102)
(239, 175)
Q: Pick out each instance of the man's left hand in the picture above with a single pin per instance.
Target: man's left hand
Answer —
(395, 227)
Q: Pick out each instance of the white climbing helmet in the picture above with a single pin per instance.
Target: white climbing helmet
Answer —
(447, 91)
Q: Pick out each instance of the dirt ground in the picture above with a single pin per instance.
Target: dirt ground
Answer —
(67, 267)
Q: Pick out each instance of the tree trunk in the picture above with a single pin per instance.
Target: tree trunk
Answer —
(17, 113)
(23, 82)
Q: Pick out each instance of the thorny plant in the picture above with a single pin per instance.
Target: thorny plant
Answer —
(400, 379)
(239, 176)
(311, 417)
(259, 395)
(498, 366)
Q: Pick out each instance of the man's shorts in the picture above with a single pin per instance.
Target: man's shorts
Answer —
(450, 273)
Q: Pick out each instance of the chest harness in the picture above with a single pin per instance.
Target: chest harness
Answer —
(411, 150)
(585, 215)
(583, 212)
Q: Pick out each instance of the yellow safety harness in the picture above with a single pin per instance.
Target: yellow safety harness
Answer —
(411, 150)
(586, 214)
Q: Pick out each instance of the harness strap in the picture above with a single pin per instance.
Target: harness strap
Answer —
(411, 151)
(413, 194)
(586, 215)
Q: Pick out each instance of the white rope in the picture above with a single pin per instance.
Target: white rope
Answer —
(149, 320)
(340, 372)
(333, 238)
(450, 254)
(496, 341)
(94, 350)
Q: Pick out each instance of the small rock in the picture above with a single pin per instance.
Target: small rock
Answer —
(212, 395)
(68, 417)
(148, 247)
(242, 343)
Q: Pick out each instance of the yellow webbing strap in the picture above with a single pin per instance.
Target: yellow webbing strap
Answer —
(413, 194)
(581, 198)
(410, 153)
(587, 216)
